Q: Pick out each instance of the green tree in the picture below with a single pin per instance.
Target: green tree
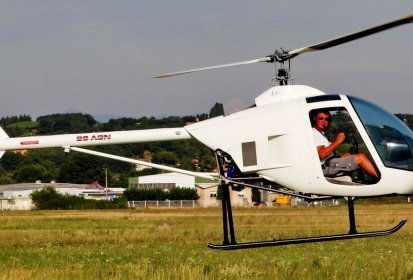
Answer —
(140, 194)
(202, 117)
(182, 194)
(46, 198)
(5, 121)
(49, 199)
(82, 169)
(65, 123)
(216, 110)
(166, 157)
(121, 124)
(159, 194)
(33, 168)
(120, 181)
(10, 160)
(407, 119)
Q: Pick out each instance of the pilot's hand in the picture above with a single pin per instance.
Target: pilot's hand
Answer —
(340, 137)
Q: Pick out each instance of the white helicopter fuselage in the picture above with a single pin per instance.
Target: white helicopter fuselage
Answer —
(275, 140)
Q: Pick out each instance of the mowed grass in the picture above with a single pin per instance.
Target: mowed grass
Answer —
(172, 244)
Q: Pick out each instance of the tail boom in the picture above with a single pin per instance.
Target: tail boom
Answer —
(93, 139)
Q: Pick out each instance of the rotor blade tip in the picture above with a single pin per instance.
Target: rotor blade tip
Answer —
(159, 76)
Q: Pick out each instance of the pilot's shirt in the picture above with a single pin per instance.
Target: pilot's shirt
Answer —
(321, 140)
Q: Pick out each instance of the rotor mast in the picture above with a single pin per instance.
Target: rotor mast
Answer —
(282, 74)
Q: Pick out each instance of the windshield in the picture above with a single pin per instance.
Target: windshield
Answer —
(392, 138)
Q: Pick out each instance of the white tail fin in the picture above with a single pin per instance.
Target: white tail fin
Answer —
(3, 135)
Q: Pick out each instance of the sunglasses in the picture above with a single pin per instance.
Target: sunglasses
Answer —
(324, 119)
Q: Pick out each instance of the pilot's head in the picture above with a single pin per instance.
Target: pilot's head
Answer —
(322, 120)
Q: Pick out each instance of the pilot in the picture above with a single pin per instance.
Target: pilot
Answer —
(330, 162)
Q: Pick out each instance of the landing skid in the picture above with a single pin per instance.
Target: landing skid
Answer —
(270, 243)
(229, 242)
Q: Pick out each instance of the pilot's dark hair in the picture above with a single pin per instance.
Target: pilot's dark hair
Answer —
(314, 113)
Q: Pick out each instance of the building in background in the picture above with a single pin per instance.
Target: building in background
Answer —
(164, 181)
(17, 196)
(207, 189)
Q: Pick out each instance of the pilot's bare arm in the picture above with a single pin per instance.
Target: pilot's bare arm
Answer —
(325, 151)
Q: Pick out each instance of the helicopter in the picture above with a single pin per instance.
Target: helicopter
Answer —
(253, 149)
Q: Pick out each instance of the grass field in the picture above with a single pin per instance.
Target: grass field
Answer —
(172, 244)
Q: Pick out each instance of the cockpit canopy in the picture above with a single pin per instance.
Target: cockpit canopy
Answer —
(392, 139)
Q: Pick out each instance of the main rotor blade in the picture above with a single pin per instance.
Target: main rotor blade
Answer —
(350, 37)
(264, 59)
(282, 55)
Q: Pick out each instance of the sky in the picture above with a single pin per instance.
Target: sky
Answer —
(100, 57)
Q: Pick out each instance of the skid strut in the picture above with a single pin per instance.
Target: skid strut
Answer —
(227, 217)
